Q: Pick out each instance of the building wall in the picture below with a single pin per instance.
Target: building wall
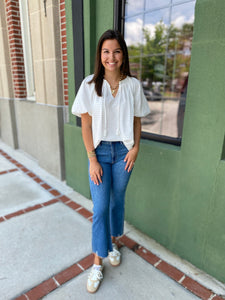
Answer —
(35, 125)
(176, 194)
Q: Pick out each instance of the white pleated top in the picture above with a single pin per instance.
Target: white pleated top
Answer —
(112, 117)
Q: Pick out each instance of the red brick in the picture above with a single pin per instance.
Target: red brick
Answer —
(87, 262)
(46, 186)
(147, 255)
(62, 10)
(13, 161)
(64, 39)
(25, 170)
(85, 213)
(3, 172)
(33, 208)
(51, 202)
(22, 297)
(64, 199)
(31, 174)
(19, 165)
(55, 192)
(6, 155)
(128, 242)
(15, 214)
(90, 219)
(42, 289)
(63, 19)
(37, 179)
(12, 13)
(63, 26)
(73, 205)
(217, 298)
(68, 274)
(12, 170)
(196, 288)
(62, 5)
(170, 271)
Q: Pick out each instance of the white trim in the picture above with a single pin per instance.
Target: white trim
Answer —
(28, 61)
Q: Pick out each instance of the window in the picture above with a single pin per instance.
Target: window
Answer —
(28, 62)
(159, 35)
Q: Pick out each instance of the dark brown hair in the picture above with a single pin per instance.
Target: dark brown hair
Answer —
(99, 69)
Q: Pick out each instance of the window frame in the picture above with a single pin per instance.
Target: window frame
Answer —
(78, 46)
(119, 24)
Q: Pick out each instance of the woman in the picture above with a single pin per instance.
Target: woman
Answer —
(110, 104)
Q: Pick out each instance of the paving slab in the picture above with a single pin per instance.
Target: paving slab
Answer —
(133, 279)
(39, 244)
(32, 164)
(5, 165)
(17, 191)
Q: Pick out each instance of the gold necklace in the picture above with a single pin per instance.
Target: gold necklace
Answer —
(113, 89)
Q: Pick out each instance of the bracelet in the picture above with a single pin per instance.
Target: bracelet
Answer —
(91, 153)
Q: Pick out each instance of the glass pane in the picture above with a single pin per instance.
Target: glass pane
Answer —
(135, 65)
(133, 7)
(155, 31)
(155, 45)
(160, 51)
(183, 14)
(153, 69)
(133, 32)
(169, 117)
(176, 84)
(156, 17)
(153, 4)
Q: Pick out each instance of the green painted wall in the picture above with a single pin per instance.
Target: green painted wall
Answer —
(96, 21)
(176, 194)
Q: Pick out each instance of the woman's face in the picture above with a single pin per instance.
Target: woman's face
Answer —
(111, 56)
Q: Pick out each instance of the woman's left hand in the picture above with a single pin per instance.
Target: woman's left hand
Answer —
(130, 159)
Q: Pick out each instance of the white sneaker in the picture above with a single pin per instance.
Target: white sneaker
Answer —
(114, 256)
(94, 279)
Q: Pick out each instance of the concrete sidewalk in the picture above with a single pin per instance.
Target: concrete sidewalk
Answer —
(46, 246)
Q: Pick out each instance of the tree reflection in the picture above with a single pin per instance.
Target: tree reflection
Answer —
(163, 57)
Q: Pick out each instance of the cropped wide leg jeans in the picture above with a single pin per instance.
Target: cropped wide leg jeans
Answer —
(109, 196)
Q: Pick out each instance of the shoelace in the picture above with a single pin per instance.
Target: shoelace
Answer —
(95, 275)
(115, 252)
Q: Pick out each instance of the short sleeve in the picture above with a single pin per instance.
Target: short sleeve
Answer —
(82, 102)
(141, 107)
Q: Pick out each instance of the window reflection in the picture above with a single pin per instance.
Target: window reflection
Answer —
(134, 7)
(159, 44)
(153, 4)
(134, 32)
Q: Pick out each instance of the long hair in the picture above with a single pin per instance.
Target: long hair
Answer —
(99, 69)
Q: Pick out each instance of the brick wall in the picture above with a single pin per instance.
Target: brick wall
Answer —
(16, 48)
(64, 50)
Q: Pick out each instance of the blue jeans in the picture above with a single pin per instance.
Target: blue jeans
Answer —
(109, 196)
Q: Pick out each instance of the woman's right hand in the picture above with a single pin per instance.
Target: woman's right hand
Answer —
(95, 171)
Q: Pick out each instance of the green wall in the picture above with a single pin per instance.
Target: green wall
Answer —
(176, 195)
